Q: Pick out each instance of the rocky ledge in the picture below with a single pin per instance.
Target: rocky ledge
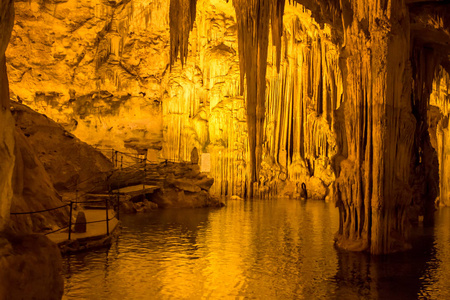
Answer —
(167, 185)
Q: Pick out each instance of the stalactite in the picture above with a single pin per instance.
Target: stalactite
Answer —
(298, 126)
(253, 18)
(182, 17)
(277, 27)
(439, 130)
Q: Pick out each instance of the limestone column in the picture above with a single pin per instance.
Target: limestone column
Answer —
(372, 189)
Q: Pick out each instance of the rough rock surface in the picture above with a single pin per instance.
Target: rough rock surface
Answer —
(344, 107)
(34, 191)
(104, 73)
(439, 132)
(69, 162)
(178, 185)
(30, 267)
(6, 120)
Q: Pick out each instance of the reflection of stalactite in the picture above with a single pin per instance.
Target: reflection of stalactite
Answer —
(182, 17)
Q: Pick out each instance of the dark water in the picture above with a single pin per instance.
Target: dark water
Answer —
(261, 249)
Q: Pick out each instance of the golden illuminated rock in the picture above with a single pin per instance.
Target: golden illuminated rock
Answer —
(330, 94)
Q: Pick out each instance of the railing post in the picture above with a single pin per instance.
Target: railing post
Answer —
(70, 219)
(118, 206)
(145, 173)
(76, 194)
(116, 159)
(107, 221)
(121, 161)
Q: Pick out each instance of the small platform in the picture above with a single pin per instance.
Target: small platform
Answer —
(136, 190)
(95, 236)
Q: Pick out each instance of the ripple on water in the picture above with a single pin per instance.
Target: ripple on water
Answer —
(261, 249)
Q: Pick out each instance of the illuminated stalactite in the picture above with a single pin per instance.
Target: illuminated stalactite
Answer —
(182, 17)
(277, 27)
(440, 134)
(253, 19)
(301, 102)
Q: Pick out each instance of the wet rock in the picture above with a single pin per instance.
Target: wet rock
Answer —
(187, 185)
(127, 207)
(205, 183)
(145, 206)
(30, 267)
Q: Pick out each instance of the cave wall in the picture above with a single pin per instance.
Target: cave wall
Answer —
(95, 67)
(6, 120)
(439, 131)
(30, 265)
(104, 73)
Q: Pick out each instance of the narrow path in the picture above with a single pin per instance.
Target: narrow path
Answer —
(93, 230)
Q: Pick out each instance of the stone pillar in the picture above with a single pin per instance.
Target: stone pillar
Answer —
(372, 190)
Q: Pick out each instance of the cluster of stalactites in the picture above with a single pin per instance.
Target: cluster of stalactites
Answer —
(253, 19)
(182, 17)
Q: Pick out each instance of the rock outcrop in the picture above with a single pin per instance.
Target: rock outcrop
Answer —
(30, 267)
(33, 191)
(333, 94)
(170, 185)
(70, 163)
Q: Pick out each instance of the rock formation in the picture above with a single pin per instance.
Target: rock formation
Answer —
(70, 163)
(170, 185)
(33, 191)
(30, 265)
(333, 94)
(30, 268)
(7, 122)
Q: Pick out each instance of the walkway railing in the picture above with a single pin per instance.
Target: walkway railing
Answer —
(141, 163)
(71, 205)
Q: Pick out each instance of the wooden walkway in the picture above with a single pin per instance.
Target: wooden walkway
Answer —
(96, 234)
(136, 190)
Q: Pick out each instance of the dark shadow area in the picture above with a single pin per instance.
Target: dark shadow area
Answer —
(394, 276)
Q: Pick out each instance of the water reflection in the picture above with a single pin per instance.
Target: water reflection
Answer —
(261, 249)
